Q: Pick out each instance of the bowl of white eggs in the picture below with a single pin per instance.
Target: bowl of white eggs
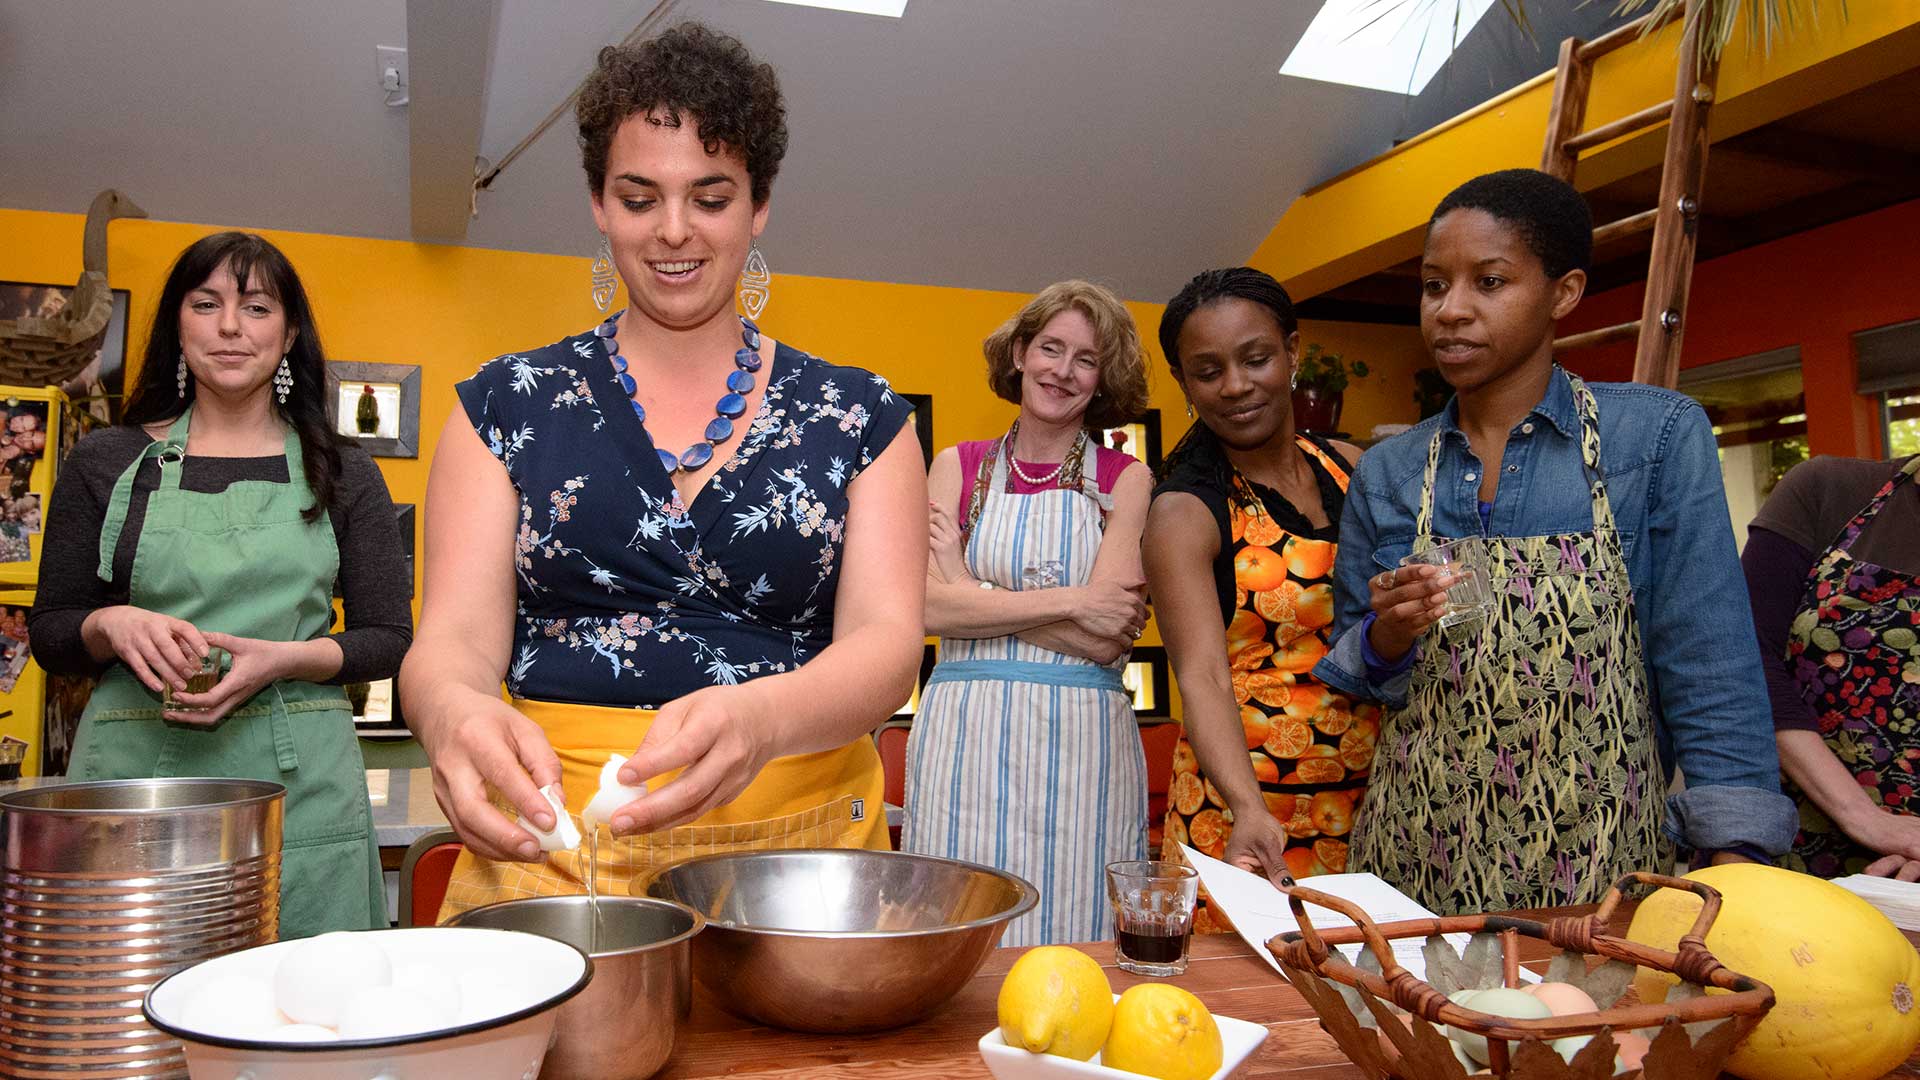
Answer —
(411, 1004)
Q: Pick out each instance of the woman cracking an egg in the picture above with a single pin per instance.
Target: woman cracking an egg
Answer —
(731, 593)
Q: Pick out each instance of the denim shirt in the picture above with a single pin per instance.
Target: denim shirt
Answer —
(1711, 712)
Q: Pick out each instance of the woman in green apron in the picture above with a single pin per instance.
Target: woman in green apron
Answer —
(217, 521)
(1525, 757)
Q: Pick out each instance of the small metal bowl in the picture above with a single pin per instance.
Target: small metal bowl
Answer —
(840, 940)
(624, 1025)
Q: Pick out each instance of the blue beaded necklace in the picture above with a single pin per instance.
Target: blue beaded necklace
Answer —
(731, 406)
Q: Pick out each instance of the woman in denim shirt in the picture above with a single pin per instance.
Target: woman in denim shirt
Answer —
(1521, 764)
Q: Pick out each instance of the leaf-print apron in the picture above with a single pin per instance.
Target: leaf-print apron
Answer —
(1523, 771)
(1854, 649)
(1310, 745)
(1021, 757)
(834, 798)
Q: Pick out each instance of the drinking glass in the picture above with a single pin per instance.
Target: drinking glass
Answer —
(211, 665)
(1469, 599)
(1153, 914)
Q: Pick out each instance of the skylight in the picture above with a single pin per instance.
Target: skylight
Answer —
(892, 9)
(1392, 45)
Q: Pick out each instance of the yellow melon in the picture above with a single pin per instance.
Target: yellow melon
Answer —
(1843, 977)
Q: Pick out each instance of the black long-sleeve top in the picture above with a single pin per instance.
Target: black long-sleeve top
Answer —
(374, 578)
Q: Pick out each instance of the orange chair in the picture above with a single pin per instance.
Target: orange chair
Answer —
(424, 872)
(891, 740)
(1157, 741)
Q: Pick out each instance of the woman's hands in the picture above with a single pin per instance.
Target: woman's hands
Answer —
(159, 649)
(1112, 608)
(945, 545)
(1405, 603)
(717, 739)
(1258, 845)
(256, 665)
(475, 741)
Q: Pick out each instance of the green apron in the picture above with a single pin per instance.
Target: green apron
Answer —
(244, 562)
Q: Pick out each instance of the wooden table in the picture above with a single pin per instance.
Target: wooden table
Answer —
(1224, 973)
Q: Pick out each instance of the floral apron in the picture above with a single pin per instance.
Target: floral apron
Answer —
(1312, 746)
(1855, 653)
(1021, 757)
(1523, 771)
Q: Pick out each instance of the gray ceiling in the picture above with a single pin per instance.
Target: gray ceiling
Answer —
(978, 143)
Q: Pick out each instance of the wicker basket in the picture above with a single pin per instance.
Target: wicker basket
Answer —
(1385, 1018)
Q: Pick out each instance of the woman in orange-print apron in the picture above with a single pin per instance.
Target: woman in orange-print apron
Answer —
(672, 537)
(1239, 556)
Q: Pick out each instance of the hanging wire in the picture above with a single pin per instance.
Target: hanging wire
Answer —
(485, 174)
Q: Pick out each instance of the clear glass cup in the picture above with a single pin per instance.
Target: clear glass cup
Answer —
(1469, 597)
(211, 666)
(1152, 914)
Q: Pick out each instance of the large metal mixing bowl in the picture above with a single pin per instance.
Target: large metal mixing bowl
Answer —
(840, 940)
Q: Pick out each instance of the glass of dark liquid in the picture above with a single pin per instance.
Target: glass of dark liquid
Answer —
(1152, 914)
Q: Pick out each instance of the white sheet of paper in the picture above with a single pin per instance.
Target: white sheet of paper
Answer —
(1899, 901)
(1259, 911)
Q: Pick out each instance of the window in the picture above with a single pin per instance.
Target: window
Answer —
(1758, 408)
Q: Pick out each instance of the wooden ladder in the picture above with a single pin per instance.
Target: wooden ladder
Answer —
(1675, 220)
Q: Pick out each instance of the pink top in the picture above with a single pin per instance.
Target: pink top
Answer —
(1107, 467)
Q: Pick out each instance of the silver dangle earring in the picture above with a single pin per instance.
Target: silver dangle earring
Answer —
(601, 273)
(1189, 410)
(283, 379)
(1293, 383)
(756, 283)
(180, 379)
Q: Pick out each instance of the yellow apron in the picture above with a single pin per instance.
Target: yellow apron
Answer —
(834, 798)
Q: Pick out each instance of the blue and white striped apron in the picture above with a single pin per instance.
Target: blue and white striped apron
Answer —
(1024, 758)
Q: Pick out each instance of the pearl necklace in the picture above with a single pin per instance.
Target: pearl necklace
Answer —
(731, 406)
(1079, 447)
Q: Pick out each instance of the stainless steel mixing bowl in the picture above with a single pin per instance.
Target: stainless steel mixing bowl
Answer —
(622, 1027)
(840, 940)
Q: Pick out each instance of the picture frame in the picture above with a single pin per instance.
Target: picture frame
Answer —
(1146, 678)
(922, 421)
(100, 388)
(1140, 439)
(390, 427)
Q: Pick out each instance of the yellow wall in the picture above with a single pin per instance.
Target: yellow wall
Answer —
(448, 309)
(1375, 215)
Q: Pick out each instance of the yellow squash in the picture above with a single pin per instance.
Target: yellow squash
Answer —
(1844, 978)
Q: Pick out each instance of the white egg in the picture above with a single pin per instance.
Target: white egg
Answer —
(1497, 1001)
(385, 1011)
(485, 995)
(233, 1006)
(612, 794)
(438, 988)
(565, 835)
(302, 1033)
(1570, 1046)
(321, 974)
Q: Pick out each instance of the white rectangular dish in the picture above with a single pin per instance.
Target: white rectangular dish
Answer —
(1238, 1040)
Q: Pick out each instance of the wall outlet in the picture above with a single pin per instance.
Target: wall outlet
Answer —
(390, 67)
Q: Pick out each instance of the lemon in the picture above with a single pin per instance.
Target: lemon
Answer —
(1163, 1031)
(1056, 1000)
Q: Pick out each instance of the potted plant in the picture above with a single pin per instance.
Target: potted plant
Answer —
(1320, 383)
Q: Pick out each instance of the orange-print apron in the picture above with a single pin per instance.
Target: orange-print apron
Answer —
(1311, 746)
(834, 798)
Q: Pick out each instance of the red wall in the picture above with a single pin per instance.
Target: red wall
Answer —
(1814, 289)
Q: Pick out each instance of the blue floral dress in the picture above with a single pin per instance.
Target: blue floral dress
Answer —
(627, 595)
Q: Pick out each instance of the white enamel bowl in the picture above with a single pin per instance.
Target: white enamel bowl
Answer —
(507, 1046)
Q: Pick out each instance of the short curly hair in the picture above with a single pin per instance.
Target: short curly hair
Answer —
(1551, 217)
(695, 70)
(1121, 395)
